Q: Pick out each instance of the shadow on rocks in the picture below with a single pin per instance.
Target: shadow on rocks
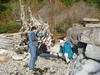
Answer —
(38, 71)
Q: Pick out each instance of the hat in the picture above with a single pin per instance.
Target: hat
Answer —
(61, 41)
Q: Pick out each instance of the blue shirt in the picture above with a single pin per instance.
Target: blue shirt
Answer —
(41, 34)
(32, 39)
(67, 49)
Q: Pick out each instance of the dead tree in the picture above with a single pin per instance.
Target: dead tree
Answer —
(22, 16)
(28, 24)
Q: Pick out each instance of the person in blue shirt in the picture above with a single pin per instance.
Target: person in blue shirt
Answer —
(41, 34)
(65, 49)
(68, 49)
(33, 45)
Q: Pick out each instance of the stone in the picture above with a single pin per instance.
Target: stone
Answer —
(91, 36)
(87, 39)
(83, 66)
(3, 59)
(18, 57)
(97, 73)
(12, 54)
(93, 25)
(7, 53)
(84, 34)
(90, 66)
(74, 33)
(92, 51)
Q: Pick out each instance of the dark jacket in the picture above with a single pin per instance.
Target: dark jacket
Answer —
(43, 48)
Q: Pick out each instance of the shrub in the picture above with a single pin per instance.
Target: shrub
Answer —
(69, 2)
(40, 1)
(11, 27)
(60, 28)
(94, 2)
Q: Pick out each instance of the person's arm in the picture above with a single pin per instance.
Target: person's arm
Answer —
(34, 36)
(70, 43)
(30, 37)
(66, 48)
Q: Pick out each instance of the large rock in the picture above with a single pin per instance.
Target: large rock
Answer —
(93, 52)
(98, 73)
(89, 68)
(91, 36)
(74, 33)
(84, 34)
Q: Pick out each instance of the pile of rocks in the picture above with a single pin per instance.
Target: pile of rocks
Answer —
(87, 41)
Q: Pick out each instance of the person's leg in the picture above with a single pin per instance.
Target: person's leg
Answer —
(66, 57)
(32, 57)
(48, 55)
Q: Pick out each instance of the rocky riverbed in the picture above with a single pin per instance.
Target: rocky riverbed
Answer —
(44, 66)
(13, 63)
(87, 47)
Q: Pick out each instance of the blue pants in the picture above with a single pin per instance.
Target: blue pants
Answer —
(33, 56)
(48, 55)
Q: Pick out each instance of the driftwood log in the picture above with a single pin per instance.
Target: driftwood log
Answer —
(28, 21)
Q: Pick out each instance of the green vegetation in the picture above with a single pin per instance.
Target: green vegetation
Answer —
(34, 2)
(60, 28)
(9, 28)
(6, 16)
(94, 2)
(5, 8)
(5, 12)
(39, 1)
(7, 24)
(69, 2)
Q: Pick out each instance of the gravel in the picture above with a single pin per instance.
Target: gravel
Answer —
(44, 66)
